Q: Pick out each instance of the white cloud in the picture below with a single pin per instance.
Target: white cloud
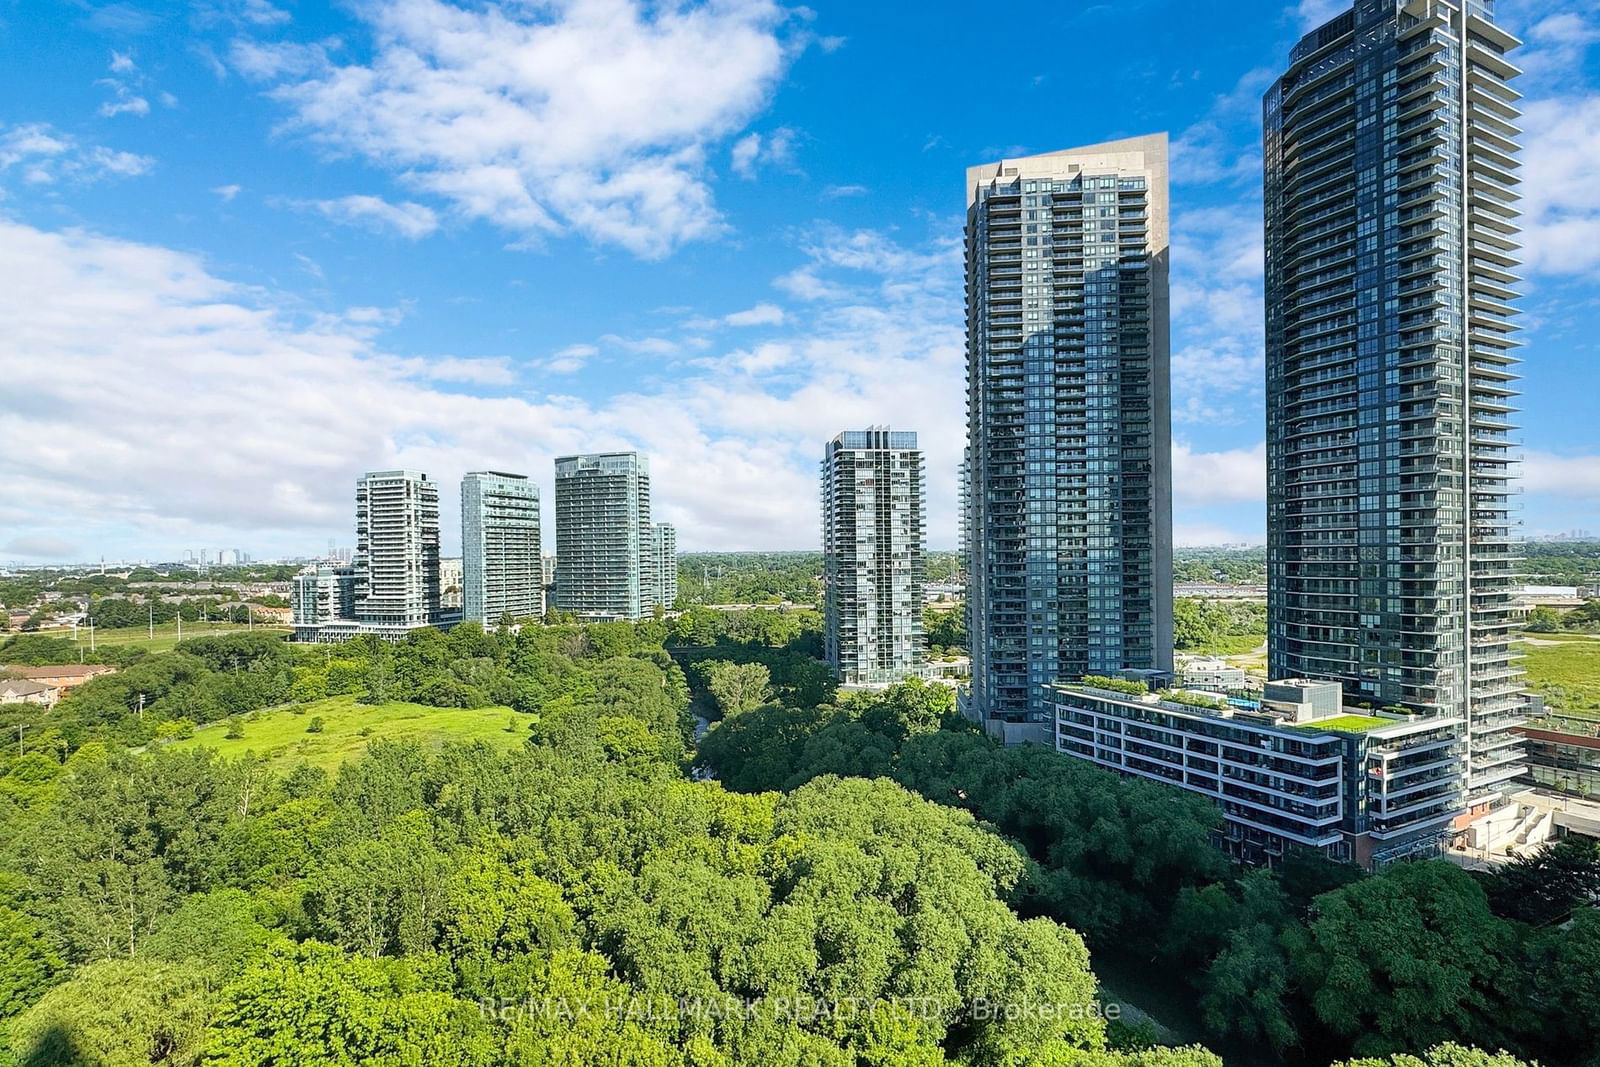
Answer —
(594, 116)
(1219, 342)
(124, 100)
(494, 371)
(407, 219)
(570, 359)
(1229, 476)
(1224, 145)
(802, 283)
(1552, 57)
(105, 455)
(43, 155)
(839, 192)
(227, 192)
(1576, 476)
(753, 151)
(742, 157)
(643, 346)
(239, 12)
(1561, 187)
(125, 104)
(762, 359)
(760, 315)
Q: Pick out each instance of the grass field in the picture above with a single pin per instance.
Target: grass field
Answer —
(1567, 672)
(166, 635)
(1230, 645)
(280, 734)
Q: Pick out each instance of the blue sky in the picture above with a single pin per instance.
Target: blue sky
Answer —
(249, 249)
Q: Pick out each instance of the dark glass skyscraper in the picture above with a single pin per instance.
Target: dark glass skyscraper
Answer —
(1069, 509)
(1391, 251)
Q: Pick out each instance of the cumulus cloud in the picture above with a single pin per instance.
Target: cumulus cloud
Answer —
(1561, 187)
(594, 116)
(227, 192)
(1230, 476)
(734, 457)
(43, 155)
(753, 151)
(409, 220)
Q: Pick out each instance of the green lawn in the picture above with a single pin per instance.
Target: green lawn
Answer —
(1566, 672)
(1347, 724)
(280, 734)
(166, 635)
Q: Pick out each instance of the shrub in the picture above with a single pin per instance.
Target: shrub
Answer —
(1115, 685)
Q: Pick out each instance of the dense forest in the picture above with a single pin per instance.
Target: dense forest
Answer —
(1234, 566)
(771, 577)
(1206, 625)
(869, 882)
(1562, 562)
(1312, 960)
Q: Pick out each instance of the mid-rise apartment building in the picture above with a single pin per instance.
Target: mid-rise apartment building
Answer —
(1296, 769)
(1069, 513)
(1391, 204)
(502, 569)
(603, 536)
(874, 556)
(321, 594)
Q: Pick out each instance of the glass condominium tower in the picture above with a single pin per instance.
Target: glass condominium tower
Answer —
(664, 565)
(396, 564)
(874, 556)
(501, 568)
(604, 564)
(1391, 257)
(1069, 450)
